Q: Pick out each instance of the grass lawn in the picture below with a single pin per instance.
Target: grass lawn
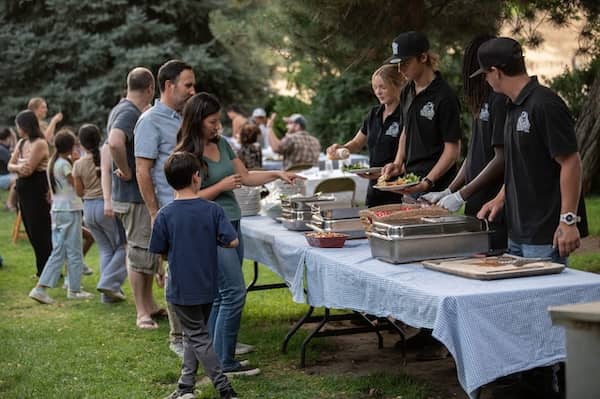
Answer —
(90, 350)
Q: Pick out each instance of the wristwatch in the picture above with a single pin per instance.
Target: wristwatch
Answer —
(569, 218)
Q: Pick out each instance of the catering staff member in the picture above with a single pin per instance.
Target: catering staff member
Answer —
(542, 179)
(380, 131)
(481, 174)
(430, 142)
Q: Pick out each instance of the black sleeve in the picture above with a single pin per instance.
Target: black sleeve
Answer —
(555, 126)
(498, 119)
(365, 125)
(449, 118)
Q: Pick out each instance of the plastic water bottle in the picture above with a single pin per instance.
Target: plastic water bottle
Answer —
(329, 166)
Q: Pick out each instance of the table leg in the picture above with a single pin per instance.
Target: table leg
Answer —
(295, 328)
(253, 287)
(310, 336)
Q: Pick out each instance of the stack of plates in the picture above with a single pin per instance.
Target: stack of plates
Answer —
(249, 200)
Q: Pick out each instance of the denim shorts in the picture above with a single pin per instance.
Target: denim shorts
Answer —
(6, 179)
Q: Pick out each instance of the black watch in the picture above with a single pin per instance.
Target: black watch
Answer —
(429, 181)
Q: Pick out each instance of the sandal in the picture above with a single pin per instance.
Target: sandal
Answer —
(161, 313)
(146, 324)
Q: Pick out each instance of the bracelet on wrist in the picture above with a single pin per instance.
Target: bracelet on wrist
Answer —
(429, 182)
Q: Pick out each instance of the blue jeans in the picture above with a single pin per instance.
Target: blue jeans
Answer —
(66, 246)
(110, 237)
(535, 251)
(226, 314)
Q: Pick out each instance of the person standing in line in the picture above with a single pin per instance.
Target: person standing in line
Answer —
(430, 141)
(223, 172)
(29, 161)
(542, 178)
(122, 195)
(66, 226)
(107, 231)
(40, 108)
(155, 137)
(7, 179)
(481, 174)
(187, 232)
(234, 113)
(379, 132)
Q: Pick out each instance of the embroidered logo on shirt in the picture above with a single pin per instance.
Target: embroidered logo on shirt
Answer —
(523, 124)
(393, 130)
(484, 113)
(427, 111)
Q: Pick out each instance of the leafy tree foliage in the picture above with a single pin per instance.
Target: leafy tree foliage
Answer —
(76, 53)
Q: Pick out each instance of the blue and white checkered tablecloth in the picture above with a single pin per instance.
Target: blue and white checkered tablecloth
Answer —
(492, 328)
(280, 249)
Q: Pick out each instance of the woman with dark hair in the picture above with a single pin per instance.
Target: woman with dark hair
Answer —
(481, 175)
(222, 172)
(250, 152)
(107, 231)
(30, 161)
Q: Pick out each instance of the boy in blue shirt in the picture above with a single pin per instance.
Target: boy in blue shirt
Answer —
(187, 231)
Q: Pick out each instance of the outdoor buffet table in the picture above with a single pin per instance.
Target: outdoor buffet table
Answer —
(491, 328)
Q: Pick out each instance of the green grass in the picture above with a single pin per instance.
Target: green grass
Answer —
(90, 350)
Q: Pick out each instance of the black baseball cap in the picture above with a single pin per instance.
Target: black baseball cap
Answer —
(499, 52)
(406, 45)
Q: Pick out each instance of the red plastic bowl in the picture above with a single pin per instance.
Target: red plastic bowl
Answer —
(326, 242)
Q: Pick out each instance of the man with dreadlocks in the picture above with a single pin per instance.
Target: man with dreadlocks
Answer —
(480, 177)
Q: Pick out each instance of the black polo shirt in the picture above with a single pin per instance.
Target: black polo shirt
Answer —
(431, 118)
(538, 128)
(487, 132)
(382, 142)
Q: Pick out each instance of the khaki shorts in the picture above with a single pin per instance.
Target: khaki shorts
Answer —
(136, 221)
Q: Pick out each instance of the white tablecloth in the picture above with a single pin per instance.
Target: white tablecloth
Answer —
(492, 328)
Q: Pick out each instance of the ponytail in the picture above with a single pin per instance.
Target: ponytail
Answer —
(89, 137)
(64, 141)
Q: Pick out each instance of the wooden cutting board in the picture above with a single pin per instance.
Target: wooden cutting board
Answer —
(494, 267)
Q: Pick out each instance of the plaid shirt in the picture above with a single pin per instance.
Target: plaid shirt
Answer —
(299, 148)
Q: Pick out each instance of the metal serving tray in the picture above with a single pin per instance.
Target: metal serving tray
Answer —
(431, 238)
(352, 227)
(430, 226)
(294, 224)
(336, 213)
(295, 214)
(304, 203)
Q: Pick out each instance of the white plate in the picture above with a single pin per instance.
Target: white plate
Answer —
(396, 187)
(365, 170)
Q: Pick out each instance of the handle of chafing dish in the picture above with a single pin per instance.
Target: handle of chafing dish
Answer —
(315, 228)
(377, 235)
(487, 224)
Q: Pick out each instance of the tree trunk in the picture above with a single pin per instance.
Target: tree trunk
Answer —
(587, 130)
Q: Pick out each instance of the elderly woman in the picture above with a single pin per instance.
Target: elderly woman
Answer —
(223, 171)
(29, 161)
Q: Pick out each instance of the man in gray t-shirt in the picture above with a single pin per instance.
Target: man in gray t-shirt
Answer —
(127, 201)
(155, 138)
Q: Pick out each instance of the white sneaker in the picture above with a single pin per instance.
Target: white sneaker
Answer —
(87, 271)
(40, 295)
(116, 296)
(177, 348)
(242, 349)
(79, 295)
(181, 395)
(247, 371)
